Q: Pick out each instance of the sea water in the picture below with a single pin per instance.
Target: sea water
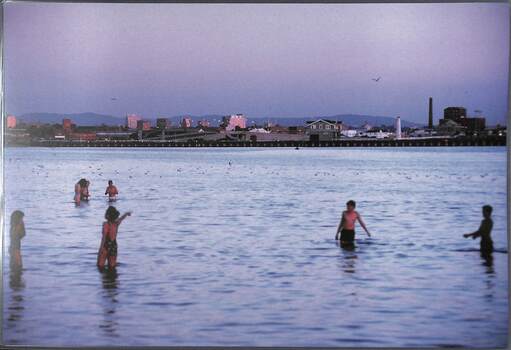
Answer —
(235, 246)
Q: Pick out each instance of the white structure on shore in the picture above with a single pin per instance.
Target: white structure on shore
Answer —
(398, 128)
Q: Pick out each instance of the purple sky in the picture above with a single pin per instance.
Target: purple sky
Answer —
(273, 60)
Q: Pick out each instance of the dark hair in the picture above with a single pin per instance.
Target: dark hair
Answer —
(352, 203)
(111, 214)
(487, 209)
(16, 217)
(82, 182)
(110, 182)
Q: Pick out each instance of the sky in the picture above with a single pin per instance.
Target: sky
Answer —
(263, 60)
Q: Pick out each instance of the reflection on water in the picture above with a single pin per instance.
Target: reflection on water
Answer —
(488, 261)
(15, 306)
(244, 254)
(349, 257)
(109, 302)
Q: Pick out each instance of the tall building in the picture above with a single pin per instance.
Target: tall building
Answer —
(186, 122)
(132, 120)
(11, 121)
(162, 123)
(66, 124)
(398, 128)
(430, 119)
(230, 122)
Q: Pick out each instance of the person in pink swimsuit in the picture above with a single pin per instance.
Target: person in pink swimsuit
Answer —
(346, 228)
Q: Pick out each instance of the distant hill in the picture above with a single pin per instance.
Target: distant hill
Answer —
(90, 119)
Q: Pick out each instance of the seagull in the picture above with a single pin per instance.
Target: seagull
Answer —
(376, 80)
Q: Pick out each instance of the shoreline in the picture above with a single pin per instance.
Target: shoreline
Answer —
(417, 142)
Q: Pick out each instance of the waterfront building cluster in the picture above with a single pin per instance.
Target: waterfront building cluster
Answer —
(455, 123)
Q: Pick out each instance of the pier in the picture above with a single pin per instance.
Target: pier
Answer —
(416, 142)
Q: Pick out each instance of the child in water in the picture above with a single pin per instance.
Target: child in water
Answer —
(17, 232)
(484, 231)
(346, 228)
(108, 247)
(111, 190)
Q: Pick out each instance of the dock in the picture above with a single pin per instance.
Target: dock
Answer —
(416, 142)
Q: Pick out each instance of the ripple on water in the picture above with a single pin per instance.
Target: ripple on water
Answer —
(237, 257)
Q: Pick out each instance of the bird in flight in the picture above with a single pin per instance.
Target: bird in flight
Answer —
(113, 98)
(376, 79)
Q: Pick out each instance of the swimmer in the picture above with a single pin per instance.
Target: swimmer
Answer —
(78, 190)
(17, 232)
(484, 231)
(111, 190)
(84, 194)
(346, 228)
(108, 247)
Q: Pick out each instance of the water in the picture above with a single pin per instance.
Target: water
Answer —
(244, 254)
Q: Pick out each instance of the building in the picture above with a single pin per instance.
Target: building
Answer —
(349, 133)
(83, 136)
(113, 135)
(162, 123)
(230, 122)
(66, 124)
(455, 113)
(459, 115)
(132, 120)
(366, 127)
(143, 125)
(186, 122)
(377, 134)
(11, 121)
(204, 123)
(323, 130)
(475, 124)
(449, 127)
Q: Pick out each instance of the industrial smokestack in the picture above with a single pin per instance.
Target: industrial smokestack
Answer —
(430, 124)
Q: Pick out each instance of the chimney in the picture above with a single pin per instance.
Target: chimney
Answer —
(430, 125)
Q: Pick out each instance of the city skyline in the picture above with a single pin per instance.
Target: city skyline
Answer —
(272, 60)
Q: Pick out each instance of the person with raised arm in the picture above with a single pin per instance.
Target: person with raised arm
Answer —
(484, 231)
(108, 247)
